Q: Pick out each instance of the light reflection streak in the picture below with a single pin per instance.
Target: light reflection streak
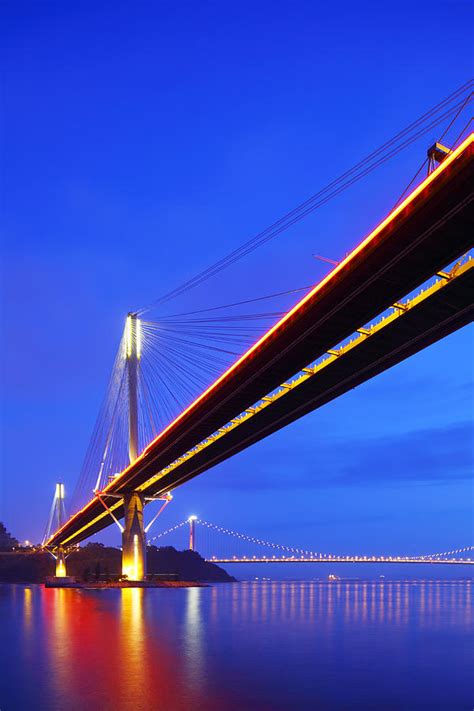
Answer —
(194, 658)
(29, 626)
(132, 642)
(60, 650)
(27, 610)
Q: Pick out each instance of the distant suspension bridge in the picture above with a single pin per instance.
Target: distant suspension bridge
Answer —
(218, 544)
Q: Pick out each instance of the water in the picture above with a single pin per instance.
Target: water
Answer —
(246, 646)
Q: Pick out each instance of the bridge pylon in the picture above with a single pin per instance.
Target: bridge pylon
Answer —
(133, 534)
(61, 563)
(192, 532)
(133, 538)
(56, 519)
(133, 352)
(133, 531)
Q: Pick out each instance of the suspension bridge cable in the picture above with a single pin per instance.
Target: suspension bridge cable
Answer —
(461, 133)
(242, 252)
(241, 303)
(324, 190)
(456, 116)
(321, 196)
(295, 552)
(448, 553)
(451, 123)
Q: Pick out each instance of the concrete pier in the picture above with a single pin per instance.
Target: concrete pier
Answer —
(133, 538)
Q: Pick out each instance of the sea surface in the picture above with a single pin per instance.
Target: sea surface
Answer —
(249, 646)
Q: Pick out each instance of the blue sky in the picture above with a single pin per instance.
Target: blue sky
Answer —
(143, 141)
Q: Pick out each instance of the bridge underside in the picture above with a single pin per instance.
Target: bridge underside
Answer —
(432, 228)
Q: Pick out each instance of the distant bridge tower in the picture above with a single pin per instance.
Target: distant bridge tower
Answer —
(133, 535)
(192, 532)
(57, 518)
(133, 530)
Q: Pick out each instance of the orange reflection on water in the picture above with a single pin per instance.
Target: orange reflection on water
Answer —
(104, 651)
(27, 610)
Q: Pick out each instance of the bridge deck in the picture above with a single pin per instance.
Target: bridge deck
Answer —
(430, 229)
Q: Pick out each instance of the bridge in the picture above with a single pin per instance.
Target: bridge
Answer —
(406, 285)
(222, 545)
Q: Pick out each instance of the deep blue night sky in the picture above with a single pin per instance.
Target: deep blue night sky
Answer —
(142, 142)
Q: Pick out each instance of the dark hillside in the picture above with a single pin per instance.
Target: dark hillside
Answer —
(95, 561)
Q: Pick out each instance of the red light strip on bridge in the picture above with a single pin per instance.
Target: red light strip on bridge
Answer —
(391, 216)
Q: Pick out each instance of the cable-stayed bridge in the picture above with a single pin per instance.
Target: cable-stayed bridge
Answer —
(406, 285)
(218, 544)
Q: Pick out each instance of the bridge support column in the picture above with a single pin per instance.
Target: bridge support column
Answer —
(61, 563)
(133, 538)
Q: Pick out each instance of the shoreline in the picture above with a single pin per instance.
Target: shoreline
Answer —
(99, 585)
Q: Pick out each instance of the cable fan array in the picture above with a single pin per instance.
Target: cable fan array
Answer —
(180, 356)
(57, 514)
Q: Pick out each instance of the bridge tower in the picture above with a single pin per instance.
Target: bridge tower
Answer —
(60, 515)
(192, 532)
(61, 563)
(133, 346)
(57, 517)
(133, 535)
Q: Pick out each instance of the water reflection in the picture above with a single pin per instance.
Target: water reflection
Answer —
(132, 650)
(27, 610)
(194, 657)
(57, 609)
(393, 603)
(105, 652)
(222, 647)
